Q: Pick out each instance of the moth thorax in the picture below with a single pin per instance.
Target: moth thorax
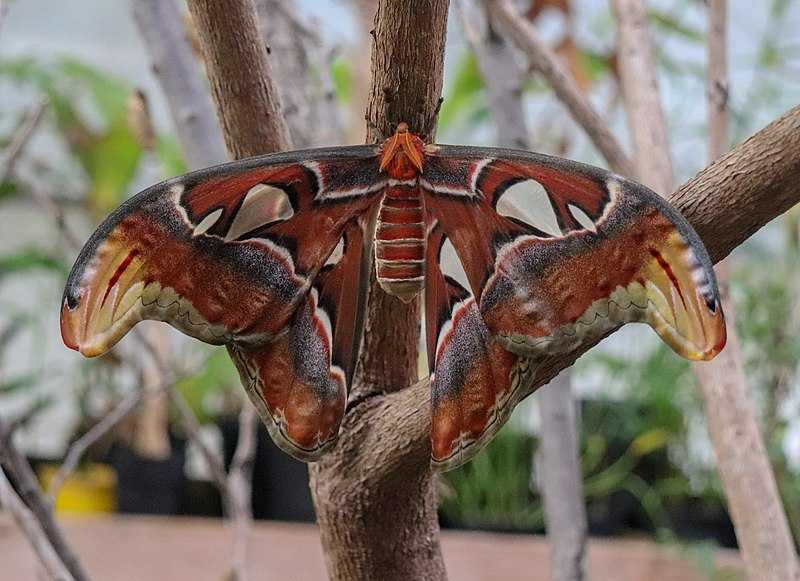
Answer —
(400, 242)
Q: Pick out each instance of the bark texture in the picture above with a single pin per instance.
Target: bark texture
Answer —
(406, 85)
(240, 75)
(374, 493)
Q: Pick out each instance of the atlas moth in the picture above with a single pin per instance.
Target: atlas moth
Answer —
(271, 256)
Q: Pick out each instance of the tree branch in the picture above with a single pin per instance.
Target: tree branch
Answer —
(302, 71)
(502, 72)
(20, 139)
(646, 119)
(407, 69)
(240, 474)
(240, 74)
(162, 27)
(34, 499)
(562, 480)
(545, 61)
(32, 529)
(744, 466)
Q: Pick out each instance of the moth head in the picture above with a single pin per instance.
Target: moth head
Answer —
(402, 155)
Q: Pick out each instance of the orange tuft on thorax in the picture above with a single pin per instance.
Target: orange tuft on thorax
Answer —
(403, 154)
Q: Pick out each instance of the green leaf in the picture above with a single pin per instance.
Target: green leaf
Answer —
(30, 258)
(466, 87)
(16, 384)
(342, 76)
(217, 377)
(171, 156)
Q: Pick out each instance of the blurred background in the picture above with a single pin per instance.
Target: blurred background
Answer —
(648, 467)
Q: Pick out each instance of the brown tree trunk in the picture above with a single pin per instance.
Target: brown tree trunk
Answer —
(240, 75)
(375, 493)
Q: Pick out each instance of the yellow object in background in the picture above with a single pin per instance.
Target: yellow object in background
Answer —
(90, 490)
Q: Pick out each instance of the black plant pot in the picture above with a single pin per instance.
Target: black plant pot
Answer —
(146, 486)
(280, 483)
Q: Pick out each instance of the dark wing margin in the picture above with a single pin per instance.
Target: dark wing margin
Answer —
(615, 253)
(236, 255)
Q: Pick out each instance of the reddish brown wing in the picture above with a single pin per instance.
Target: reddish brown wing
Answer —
(299, 381)
(557, 255)
(237, 255)
(473, 378)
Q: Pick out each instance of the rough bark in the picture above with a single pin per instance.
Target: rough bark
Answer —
(240, 74)
(558, 463)
(545, 62)
(406, 85)
(638, 74)
(162, 27)
(374, 493)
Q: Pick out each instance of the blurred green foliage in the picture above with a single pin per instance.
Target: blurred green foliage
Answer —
(87, 112)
